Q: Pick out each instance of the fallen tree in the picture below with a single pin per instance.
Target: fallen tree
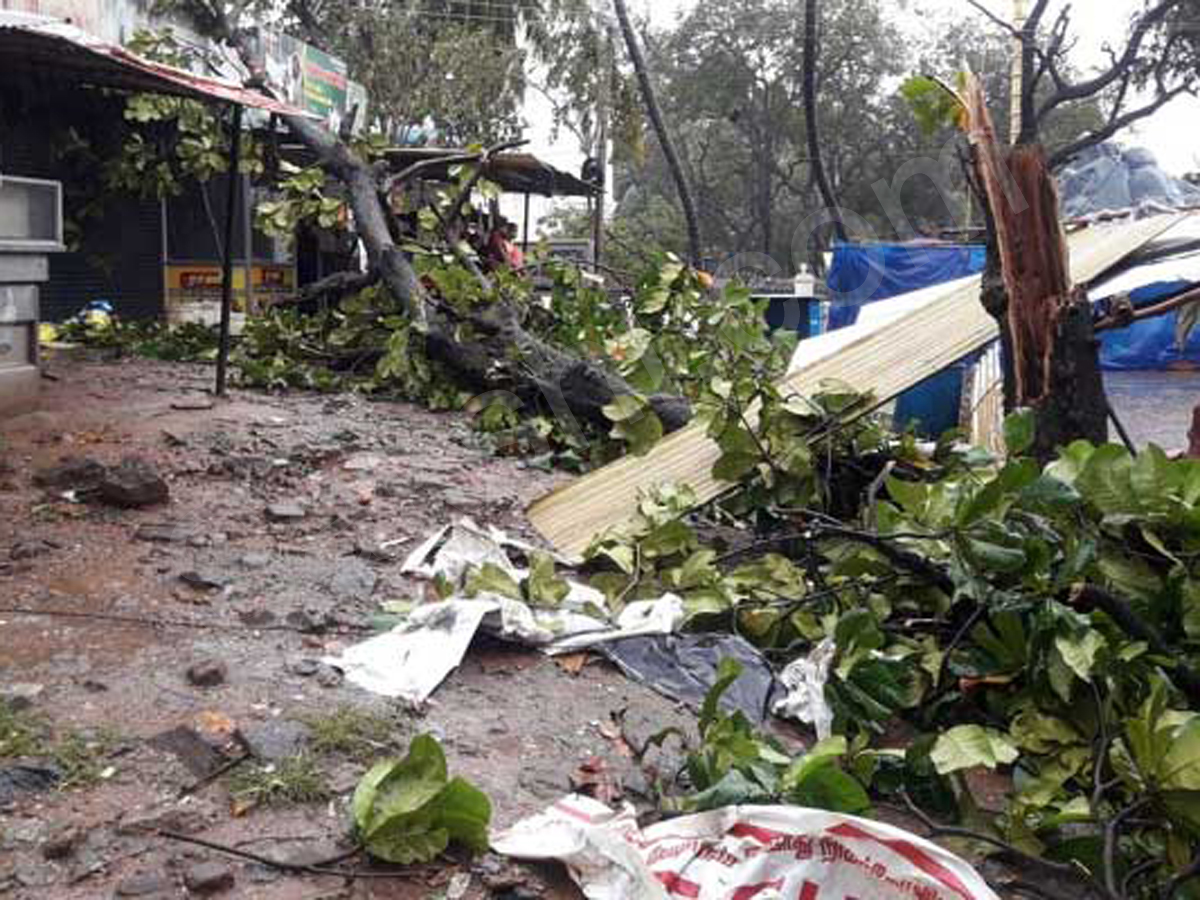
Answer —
(486, 346)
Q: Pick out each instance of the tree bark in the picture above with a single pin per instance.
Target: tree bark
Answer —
(660, 129)
(1047, 327)
(812, 22)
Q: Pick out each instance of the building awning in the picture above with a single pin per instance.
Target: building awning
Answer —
(516, 173)
(43, 50)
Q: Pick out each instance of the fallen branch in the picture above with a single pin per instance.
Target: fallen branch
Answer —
(339, 284)
(1090, 596)
(1148, 312)
(321, 867)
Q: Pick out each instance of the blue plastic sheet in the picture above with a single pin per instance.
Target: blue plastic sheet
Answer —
(1152, 343)
(867, 273)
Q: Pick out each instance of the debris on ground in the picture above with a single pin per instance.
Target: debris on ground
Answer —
(745, 851)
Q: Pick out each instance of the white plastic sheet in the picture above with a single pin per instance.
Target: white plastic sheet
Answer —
(411, 660)
(740, 853)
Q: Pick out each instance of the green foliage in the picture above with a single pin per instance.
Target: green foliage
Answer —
(350, 731)
(409, 810)
(736, 764)
(933, 107)
(293, 780)
(81, 757)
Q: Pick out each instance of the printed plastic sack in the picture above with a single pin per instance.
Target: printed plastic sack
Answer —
(740, 853)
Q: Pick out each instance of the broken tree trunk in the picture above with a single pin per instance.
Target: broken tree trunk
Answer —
(501, 354)
(1046, 323)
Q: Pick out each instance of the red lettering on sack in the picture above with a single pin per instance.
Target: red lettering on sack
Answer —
(910, 852)
(678, 885)
(746, 892)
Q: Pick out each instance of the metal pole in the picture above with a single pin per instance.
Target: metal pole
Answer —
(602, 115)
(525, 242)
(1017, 82)
(235, 153)
(248, 243)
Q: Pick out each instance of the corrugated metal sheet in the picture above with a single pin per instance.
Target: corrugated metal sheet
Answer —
(947, 325)
(43, 49)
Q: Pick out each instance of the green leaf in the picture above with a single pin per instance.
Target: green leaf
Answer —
(728, 671)
(1020, 430)
(968, 746)
(491, 579)
(543, 586)
(623, 407)
(407, 811)
(1180, 767)
(1080, 653)
(825, 786)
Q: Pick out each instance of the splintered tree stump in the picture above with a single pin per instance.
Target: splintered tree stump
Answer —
(1053, 363)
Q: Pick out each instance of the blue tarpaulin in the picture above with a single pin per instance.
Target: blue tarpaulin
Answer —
(1158, 343)
(866, 273)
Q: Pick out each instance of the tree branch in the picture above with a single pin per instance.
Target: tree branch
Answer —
(1114, 125)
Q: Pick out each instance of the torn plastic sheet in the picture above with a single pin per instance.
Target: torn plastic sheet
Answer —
(740, 852)
(684, 668)
(805, 680)
(455, 548)
(412, 659)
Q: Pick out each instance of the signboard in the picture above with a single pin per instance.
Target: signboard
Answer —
(311, 79)
(199, 284)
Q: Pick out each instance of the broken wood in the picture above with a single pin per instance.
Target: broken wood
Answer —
(1046, 322)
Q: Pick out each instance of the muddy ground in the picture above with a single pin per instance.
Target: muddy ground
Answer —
(280, 595)
(288, 520)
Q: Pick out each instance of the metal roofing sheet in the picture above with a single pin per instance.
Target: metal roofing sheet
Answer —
(886, 359)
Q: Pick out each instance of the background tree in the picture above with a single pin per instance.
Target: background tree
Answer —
(1156, 63)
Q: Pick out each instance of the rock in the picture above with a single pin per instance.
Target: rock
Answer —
(305, 667)
(275, 739)
(204, 581)
(207, 673)
(189, 404)
(255, 560)
(71, 474)
(133, 484)
(31, 549)
(329, 677)
(20, 695)
(285, 512)
(352, 579)
(311, 621)
(208, 878)
(61, 842)
(22, 778)
(162, 532)
(189, 816)
(144, 884)
(195, 753)
(257, 618)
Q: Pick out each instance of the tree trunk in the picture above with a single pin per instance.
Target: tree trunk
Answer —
(660, 130)
(812, 21)
(1047, 327)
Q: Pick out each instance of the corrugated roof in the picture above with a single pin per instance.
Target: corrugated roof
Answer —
(44, 50)
(518, 173)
